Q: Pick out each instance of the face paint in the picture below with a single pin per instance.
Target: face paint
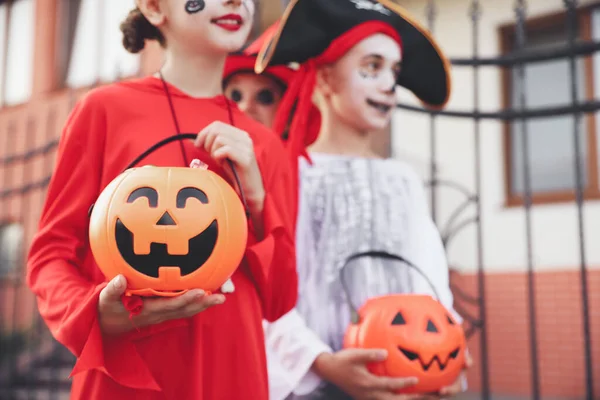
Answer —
(211, 26)
(192, 7)
(256, 95)
(249, 5)
(236, 95)
(265, 97)
(363, 82)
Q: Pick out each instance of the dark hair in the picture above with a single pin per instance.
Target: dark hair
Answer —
(137, 29)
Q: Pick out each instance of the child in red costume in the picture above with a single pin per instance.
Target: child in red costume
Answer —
(194, 346)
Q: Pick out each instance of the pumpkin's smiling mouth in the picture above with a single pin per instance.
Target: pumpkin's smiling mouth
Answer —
(200, 248)
(412, 356)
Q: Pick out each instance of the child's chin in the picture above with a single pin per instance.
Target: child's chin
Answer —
(232, 44)
(376, 125)
(383, 121)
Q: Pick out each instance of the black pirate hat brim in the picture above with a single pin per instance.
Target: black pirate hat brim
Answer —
(307, 28)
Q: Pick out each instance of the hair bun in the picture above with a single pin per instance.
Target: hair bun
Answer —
(137, 29)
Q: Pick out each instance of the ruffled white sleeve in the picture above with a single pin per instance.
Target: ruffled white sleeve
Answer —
(291, 350)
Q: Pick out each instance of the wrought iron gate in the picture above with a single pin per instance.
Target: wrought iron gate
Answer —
(518, 114)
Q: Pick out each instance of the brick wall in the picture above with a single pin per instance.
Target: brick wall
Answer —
(559, 332)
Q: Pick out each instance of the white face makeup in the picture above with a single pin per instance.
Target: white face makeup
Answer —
(361, 84)
(256, 95)
(221, 26)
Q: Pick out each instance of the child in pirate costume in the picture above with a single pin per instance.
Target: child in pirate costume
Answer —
(352, 55)
(193, 346)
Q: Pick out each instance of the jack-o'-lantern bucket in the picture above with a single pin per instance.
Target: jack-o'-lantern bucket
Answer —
(421, 337)
(168, 229)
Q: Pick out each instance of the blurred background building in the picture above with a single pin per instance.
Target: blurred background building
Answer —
(499, 164)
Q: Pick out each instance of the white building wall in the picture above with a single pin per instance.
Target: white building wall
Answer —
(555, 229)
(98, 53)
(18, 45)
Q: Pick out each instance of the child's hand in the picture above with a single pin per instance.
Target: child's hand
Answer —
(222, 142)
(457, 386)
(114, 318)
(348, 370)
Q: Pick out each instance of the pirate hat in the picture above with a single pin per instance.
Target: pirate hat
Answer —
(308, 28)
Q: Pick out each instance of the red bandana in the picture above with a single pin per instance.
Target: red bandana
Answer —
(303, 131)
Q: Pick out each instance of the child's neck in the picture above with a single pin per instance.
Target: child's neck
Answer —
(198, 75)
(338, 137)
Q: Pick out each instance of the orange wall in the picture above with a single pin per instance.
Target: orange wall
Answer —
(559, 332)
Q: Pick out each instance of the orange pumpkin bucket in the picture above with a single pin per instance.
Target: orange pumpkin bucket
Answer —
(168, 229)
(421, 337)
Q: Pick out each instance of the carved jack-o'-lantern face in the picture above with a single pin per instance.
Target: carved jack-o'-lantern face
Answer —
(168, 230)
(187, 248)
(421, 337)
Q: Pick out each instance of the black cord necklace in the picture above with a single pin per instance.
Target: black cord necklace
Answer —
(174, 117)
(182, 147)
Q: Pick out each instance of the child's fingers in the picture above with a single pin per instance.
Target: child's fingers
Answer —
(168, 305)
(238, 150)
(221, 130)
(225, 152)
(200, 138)
(236, 155)
(206, 138)
(198, 306)
(113, 291)
(221, 141)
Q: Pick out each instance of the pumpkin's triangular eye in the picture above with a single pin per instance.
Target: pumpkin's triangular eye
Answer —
(431, 327)
(450, 320)
(399, 319)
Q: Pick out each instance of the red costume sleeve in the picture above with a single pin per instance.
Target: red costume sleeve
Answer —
(67, 292)
(67, 299)
(272, 261)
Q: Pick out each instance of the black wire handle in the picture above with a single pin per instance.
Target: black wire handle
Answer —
(179, 137)
(379, 254)
(160, 144)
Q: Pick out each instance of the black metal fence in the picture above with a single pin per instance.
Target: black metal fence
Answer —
(33, 365)
(519, 114)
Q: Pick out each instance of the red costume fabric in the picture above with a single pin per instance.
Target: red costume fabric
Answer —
(217, 354)
(244, 62)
